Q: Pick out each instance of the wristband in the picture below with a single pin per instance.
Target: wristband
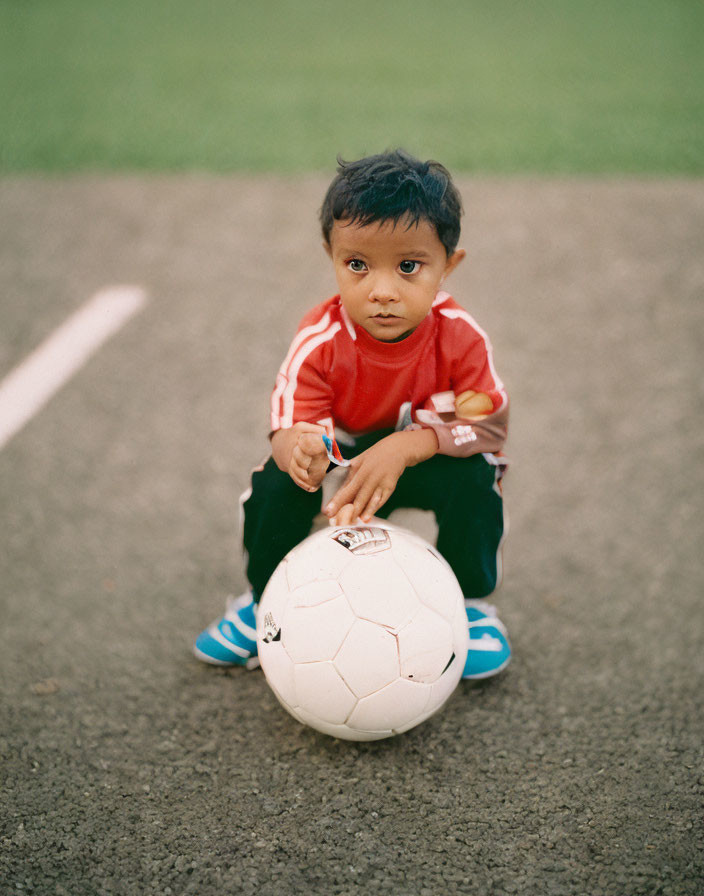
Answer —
(334, 452)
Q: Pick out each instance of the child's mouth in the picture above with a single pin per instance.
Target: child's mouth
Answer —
(386, 320)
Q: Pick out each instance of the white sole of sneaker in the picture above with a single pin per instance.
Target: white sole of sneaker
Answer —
(209, 659)
(483, 675)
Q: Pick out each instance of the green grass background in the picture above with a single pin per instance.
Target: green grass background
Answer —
(498, 86)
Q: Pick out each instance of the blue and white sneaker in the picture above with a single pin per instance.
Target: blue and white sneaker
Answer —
(489, 649)
(232, 639)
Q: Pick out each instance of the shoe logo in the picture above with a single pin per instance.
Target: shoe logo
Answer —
(486, 642)
(272, 632)
(368, 540)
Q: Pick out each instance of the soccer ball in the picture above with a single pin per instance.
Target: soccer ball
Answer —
(362, 632)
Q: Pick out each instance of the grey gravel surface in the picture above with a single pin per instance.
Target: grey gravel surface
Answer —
(130, 768)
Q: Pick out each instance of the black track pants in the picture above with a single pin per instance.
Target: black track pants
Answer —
(462, 492)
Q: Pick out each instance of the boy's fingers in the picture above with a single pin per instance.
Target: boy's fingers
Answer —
(306, 486)
(345, 516)
(317, 474)
(295, 469)
(301, 478)
(357, 488)
(376, 501)
(299, 481)
(312, 444)
(363, 498)
(342, 496)
(337, 500)
(301, 458)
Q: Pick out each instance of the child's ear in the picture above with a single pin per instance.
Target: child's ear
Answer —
(453, 261)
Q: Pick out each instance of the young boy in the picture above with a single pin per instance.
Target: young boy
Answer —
(404, 378)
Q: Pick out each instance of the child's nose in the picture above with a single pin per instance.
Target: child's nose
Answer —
(383, 289)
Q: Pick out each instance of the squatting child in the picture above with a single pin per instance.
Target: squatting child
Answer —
(404, 378)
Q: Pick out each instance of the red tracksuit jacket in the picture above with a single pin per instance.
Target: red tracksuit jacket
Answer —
(337, 375)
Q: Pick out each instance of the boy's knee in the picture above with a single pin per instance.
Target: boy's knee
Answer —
(471, 526)
(465, 479)
(270, 480)
(278, 514)
(274, 488)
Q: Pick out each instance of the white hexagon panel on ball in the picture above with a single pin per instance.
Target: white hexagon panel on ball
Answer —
(316, 633)
(399, 705)
(425, 646)
(321, 692)
(316, 559)
(378, 591)
(430, 574)
(368, 658)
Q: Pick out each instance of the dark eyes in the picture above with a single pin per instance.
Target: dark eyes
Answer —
(357, 266)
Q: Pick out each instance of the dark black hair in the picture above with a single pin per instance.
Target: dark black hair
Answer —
(391, 186)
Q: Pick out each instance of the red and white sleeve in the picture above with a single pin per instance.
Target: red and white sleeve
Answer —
(474, 370)
(302, 392)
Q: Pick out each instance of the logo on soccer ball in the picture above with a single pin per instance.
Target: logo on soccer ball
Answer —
(364, 540)
(272, 632)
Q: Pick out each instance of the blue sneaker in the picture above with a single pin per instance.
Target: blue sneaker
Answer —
(489, 650)
(231, 640)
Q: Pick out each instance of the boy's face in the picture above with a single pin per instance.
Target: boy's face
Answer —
(388, 276)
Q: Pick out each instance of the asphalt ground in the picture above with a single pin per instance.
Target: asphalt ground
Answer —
(128, 767)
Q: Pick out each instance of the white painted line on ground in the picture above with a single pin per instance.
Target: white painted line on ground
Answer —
(32, 383)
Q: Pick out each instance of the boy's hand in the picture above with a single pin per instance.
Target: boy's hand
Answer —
(300, 452)
(374, 473)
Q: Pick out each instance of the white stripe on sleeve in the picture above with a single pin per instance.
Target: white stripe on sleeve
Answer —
(441, 298)
(289, 380)
(464, 315)
(282, 377)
